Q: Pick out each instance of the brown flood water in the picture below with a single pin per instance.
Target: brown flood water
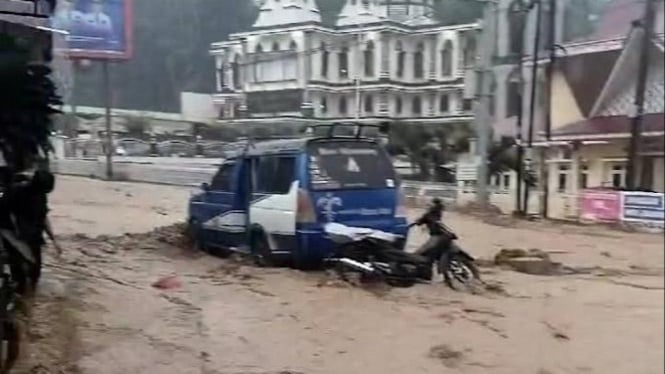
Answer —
(97, 313)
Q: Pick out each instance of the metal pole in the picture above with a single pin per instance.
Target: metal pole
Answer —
(520, 109)
(358, 70)
(544, 175)
(636, 123)
(107, 118)
(481, 107)
(532, 98)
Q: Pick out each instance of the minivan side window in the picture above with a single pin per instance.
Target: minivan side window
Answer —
(222, 180)
(274, 174)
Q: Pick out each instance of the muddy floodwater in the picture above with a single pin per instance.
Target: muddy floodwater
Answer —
(97, 311)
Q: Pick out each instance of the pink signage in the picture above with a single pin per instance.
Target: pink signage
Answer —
(601, 205)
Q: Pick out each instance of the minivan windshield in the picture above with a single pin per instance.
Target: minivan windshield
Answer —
(349, 165)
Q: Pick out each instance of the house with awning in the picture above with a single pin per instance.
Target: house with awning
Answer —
(592, 110)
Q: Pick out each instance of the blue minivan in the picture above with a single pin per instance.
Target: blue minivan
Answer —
(273, 198)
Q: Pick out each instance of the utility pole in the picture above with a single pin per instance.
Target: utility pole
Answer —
(522, 11)
(532, 99)
(636, 124)
(544, 175)
(481, 107)
(107, 119)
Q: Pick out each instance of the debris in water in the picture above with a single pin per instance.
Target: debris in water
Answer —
(450, 357)
(533, 261)
(168, 283)
(556, 333)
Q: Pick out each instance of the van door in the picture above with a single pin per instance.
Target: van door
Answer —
(223, 219)
(274, 196)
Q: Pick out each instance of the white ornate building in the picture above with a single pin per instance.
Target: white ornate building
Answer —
(383, 59)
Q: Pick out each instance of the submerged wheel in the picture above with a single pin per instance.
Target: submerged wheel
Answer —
(9, 346)
(261, 251)
(458, 270)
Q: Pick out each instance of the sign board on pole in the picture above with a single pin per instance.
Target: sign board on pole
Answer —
(600, 205)
(97, 29)
(643, 208)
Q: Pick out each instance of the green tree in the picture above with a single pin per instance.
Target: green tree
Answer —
(137, 127)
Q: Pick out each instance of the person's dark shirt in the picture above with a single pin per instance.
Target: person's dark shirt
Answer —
(431, 219)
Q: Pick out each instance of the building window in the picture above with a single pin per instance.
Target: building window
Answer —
(275, 47)
(418, 61)
(235, 70)
(444, 103)
(369, 104)
(516, 17)
(369, 59)
(447, 59)
(293, 46)
(514, 97)
(467, 105)
(343, 60)
(324, 60)
(506, 181)
(417, 106)
(584, 176)
(470, 52)
(562, 182)
(400, 59)
(342, 106)
(398, 105)
(258, 49)
(618, 176)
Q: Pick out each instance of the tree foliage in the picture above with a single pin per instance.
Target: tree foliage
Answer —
(137, 127)
(28, 100)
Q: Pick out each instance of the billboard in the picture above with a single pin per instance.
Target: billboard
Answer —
(643, 207)
(97, 29)
(600, 205)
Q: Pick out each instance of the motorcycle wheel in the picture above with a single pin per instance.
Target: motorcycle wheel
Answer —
(9, 346)
(400, 282)
(458, 271)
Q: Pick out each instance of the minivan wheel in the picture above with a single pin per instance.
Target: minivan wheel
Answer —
(195, 237)
(261, 251)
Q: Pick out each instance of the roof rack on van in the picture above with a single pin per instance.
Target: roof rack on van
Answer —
(383, 127)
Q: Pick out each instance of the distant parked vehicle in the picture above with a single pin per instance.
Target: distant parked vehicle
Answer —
(132, 147)
(213, 149)
(180, 148)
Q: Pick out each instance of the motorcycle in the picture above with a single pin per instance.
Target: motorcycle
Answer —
(455, 264)
(373, 254)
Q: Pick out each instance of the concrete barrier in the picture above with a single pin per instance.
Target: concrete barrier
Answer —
(192, 172)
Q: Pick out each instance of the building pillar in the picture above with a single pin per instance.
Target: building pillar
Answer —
(432, 47)
(384, 47)
(459, 46)
(307, 108)
(220, 72)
